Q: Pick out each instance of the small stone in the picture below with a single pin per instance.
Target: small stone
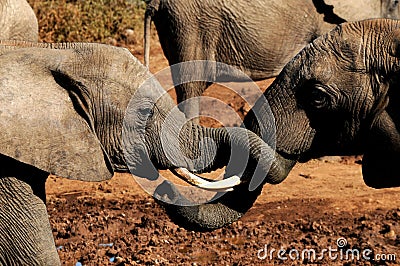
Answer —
(118, 260)
(307, 176)
(391, 235)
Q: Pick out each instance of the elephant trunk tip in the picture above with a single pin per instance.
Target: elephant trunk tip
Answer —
(225, 210)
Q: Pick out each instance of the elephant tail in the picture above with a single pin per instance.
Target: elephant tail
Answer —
(151, 9)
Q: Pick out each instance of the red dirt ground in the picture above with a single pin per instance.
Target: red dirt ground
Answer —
(117, 223)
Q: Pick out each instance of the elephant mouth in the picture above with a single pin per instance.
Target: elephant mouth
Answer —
(224, 185)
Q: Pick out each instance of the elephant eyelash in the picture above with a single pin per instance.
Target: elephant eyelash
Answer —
(147, 111)
(319, 96)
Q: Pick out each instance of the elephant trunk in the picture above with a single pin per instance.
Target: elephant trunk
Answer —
(240, 144)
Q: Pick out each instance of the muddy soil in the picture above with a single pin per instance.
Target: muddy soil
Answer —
(322, 214)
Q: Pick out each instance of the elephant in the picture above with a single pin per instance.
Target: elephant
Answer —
(258, 37)
(18, 21)
(338, 96)
(85, 111)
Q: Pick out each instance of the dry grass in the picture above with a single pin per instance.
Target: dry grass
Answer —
(106, 21)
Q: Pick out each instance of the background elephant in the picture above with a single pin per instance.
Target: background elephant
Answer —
(258, 37)
(18, 21)
(338, 96)
(79, 111)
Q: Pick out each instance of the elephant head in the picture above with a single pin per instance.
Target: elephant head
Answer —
(84, 111)
(339, 96)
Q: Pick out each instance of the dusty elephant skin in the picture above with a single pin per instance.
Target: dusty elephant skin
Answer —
(340, 96)
(78, 111)
(258, 37)
(18, 21)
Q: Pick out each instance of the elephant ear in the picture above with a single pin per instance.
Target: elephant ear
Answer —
(41, 124)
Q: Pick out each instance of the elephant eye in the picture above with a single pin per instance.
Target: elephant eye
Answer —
(319, 97)
(145, 112)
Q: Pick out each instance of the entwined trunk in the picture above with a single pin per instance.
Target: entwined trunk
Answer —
(260, 167)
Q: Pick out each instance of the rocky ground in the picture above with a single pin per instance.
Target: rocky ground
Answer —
(321, 203)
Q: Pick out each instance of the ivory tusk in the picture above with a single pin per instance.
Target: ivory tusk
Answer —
(224, 185)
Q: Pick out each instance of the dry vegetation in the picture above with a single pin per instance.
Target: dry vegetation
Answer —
(103, 21)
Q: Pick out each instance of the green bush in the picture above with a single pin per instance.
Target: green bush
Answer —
(105, 21)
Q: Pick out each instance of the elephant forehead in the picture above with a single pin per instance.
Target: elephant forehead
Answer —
(149, 95)
(321, 71)
(150, 89)
(333, 64)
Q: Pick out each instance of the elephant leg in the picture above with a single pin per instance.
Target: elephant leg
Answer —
(186, 96)
(25, 233)
(194, 73)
